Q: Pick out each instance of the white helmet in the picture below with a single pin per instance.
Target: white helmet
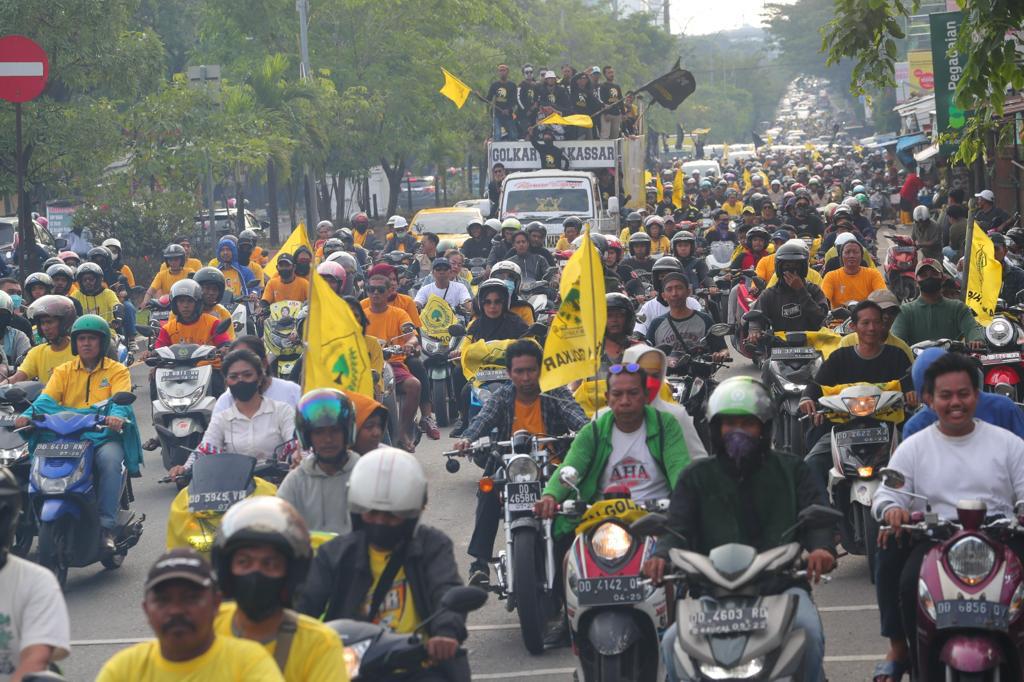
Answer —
(508, 266)
(322, 223)
(921, 213)
(346, 259)
(389, 480)
(844, 239)
(398, 222)
(113, 243)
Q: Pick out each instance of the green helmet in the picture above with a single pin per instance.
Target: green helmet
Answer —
(741, 396)
(93, 324)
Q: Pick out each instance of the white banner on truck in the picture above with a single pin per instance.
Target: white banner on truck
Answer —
(582, 155)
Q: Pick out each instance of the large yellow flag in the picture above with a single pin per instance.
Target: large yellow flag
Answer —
(297, 238)
(984, 276)
(677, 188)
(577, 120)
(336, 355)
(573, 347)
(454, 89)
(659, 187)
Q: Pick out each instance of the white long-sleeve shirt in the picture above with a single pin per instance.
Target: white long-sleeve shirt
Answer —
(272, 425)
(986, 465)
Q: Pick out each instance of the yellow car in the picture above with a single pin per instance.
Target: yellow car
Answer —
(447, 223)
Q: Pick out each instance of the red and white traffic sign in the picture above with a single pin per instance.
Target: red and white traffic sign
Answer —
(23, 69)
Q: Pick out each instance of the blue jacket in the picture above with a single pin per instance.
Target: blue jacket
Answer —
(244, 273)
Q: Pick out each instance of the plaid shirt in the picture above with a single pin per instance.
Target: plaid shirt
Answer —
(560, 412)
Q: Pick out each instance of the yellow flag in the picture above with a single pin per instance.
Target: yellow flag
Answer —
(677, 188)
(578, 120)
(437, 315)
(660, 187)
(454, 89)
(725, 152)
(336, 355)
(573, 347)
(297, 238)
(984, 278)
(747, 182)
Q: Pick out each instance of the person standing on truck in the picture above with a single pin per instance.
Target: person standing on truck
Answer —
(609, 94)
(550, 156)
(501, 96)
(526, 101)
(583, 101)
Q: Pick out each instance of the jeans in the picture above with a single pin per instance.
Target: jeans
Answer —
(488, 514)
(130, 314)
(610, 126)
(806, 618)
(503, 121)
(108, 465)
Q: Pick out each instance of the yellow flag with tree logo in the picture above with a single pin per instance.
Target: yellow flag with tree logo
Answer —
(297, 238)
(576, 336)
(336, 355)
(984, 276)
(437, 316)
(454, 89)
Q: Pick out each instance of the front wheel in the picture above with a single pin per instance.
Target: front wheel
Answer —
(53, 549)
(527, 568)
(869, 531)
(439, 400)
(624, 667)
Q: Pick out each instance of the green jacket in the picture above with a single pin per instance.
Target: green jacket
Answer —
(593, 446)
(947, 319)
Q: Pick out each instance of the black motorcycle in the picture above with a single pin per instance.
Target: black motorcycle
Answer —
(14, 454)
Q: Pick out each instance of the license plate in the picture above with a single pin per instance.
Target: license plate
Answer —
(969, 613)
(69, 448)
(999, 358)
(182, 375)
(491, 375)
(625, 589)
(879, 434)
(521, 497)
(7, 420)
(904, 249)
(786, 353)
(215, 501)
(729, 620)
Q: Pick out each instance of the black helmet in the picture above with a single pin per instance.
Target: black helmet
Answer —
(10, 507)
(757, 231)
(782, 235)
(174, 251)
(683, 236)
(600, 243)
(39, 278)
(793, 251)
(101, 256)
(667, 264)
(496, 285)
(638, 238)
(249, 237)
(617, 301)
(634, 217)
(536, 226)
(210, 275)
(572, 221)
(331, 245)
(89, 269)
(323, 407)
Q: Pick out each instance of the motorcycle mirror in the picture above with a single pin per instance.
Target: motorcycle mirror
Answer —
(651, 524)
(146, 331)
(640, 317)
(719, 329)
(457, 330)
(152, 360)
(408, 328)
(60, 244)
(464, 599)
(452, 466)
(123, 398)
(222, 326)
(15, 395)
(754, 316)
(569, 476)
(818, 515)
(893, 479)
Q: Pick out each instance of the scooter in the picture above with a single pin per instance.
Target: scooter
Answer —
(15, 399)
(691, 377)
(373, 652)
(441, 374)
(281, 337)
(63, 493)
(969, 593)
(863, 439)
(1002, 362)
(732, 623)
(900, 262)
(525, 569)
(615, 618)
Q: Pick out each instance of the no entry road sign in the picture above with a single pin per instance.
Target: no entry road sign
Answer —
(23, 69)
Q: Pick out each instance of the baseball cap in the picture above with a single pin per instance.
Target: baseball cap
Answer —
(286, 258)
(928, 263)
(442, 263)
(180, 564)
(669, 276)
(884, 298)
(986, 194)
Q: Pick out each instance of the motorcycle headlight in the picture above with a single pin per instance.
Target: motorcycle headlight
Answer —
(971, 559)
(11, 455)
(924, 597)
(431, 345)
(864, 406)
(53, 486)
(611, 541)
(999, 332)
(747, 670)
(354, 656)
(184, 403)
(522, 469)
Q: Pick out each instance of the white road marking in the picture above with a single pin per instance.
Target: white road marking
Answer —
(855, 607)
(522, 673)
(13, 69)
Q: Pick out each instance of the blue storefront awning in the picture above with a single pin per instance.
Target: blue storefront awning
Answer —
(908, 141)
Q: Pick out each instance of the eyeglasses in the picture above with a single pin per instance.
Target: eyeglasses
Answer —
(631, 368)
(493, 301)
(376, 289)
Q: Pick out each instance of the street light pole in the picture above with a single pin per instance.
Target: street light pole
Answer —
(306, 73)
(207, 76)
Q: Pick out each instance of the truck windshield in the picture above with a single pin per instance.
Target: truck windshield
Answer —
(561, 197)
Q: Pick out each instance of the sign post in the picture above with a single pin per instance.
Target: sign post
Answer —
(23, 71)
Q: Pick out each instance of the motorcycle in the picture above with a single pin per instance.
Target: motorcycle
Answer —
(525, 570)
(437, 344)
(1002, 361)
(969, 593)
(616, 620)
(159, 311)
(691, 378)
(63, 493)
(14, 454)
(732, 624)
(900, 262)
(212, 485)
(483, 364)
(281, 337)
(863, 439)
(373, 652)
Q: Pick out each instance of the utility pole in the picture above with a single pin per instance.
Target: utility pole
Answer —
(666, 9)
(306, 73)
(207, 76)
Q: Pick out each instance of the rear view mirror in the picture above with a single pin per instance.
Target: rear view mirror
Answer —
(60, 243)
(123, 398)
(719, 329)
(457, 330)
(755, 316)
(15, 394)
(146, 331)
(463, 599)
(222, 326)
(652, 524)
(568, 476)
(893, 479)
(252, 284)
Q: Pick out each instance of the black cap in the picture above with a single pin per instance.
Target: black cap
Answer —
(669, 276)
(286, 257)
(180, 564)
(442, 263)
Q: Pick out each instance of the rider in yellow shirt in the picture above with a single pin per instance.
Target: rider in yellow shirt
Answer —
(211, 281)
(95, 298)
(53, 316)
(174, 269)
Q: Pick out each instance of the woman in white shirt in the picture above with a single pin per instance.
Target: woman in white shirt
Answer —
(254, 425)
(277, 389)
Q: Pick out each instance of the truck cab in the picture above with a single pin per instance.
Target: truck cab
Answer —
(551, 196)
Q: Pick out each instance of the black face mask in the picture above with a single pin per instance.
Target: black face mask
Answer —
(286, 274)
(244, 390)
(302, 269)
(258, 595)
(931, 285)
(389, 537)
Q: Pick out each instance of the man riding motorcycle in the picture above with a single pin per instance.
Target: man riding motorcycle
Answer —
(174, 257)
(246, 245)
(96, 299)
(932, 316)
(53, 316)
(286, 285)
(211, 282)
(792, 304)
(747, 493)
(236, 275)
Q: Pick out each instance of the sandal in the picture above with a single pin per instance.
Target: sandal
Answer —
(890, 670)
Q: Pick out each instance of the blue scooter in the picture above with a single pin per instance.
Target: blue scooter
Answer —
(64, 494)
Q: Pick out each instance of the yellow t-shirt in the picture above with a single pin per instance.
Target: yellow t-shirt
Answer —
(733, 209)
(528, 417)
(387, 325)
(227, 660)
(165, 278)
(128, 275)
(101, 304)
(232, 281)
(376, 354)
(840, 288)
(41, 360)
(890, 340)
(563, 244)
(812, 276)
(397, 611)
(192, 264)
(315, 656)
(221, 313)
(660, 246)
(279, 290)
(71, 385)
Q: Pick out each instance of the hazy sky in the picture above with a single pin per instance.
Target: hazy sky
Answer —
(696, 18)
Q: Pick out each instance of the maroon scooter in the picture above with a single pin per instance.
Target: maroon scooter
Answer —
(969, 595)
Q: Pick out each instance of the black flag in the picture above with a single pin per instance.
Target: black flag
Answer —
(758, 142)
(671, 89)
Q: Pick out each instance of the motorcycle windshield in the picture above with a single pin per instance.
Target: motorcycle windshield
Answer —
(182, 383)
(721, 251)
(67, 423)
(32, 390)
(218, 481)
(9, 440)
